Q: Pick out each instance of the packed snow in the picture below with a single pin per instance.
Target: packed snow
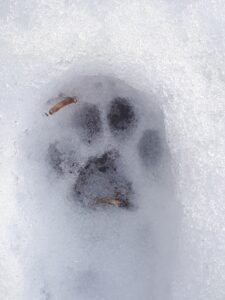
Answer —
(162, 65)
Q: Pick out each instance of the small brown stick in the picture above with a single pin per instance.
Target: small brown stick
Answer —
(112, 201)
(61, 104)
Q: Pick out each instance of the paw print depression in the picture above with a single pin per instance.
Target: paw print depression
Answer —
(108, 151)
(117, 137)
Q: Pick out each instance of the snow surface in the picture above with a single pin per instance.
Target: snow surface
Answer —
(170, 55)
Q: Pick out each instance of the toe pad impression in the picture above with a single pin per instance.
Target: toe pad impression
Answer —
(121, 116)
(149, 147)
(88, 122)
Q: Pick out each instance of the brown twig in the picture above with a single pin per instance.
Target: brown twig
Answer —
(112, 201)
(61, 104)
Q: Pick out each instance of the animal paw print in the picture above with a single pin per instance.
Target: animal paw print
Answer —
(112, 132)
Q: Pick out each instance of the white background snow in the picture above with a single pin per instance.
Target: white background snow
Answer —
(175, 49)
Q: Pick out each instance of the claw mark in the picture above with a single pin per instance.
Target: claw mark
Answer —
(61, 104)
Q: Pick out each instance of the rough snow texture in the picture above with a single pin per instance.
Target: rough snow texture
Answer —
(167, 59)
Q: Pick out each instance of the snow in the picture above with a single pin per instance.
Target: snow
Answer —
(168, 57)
